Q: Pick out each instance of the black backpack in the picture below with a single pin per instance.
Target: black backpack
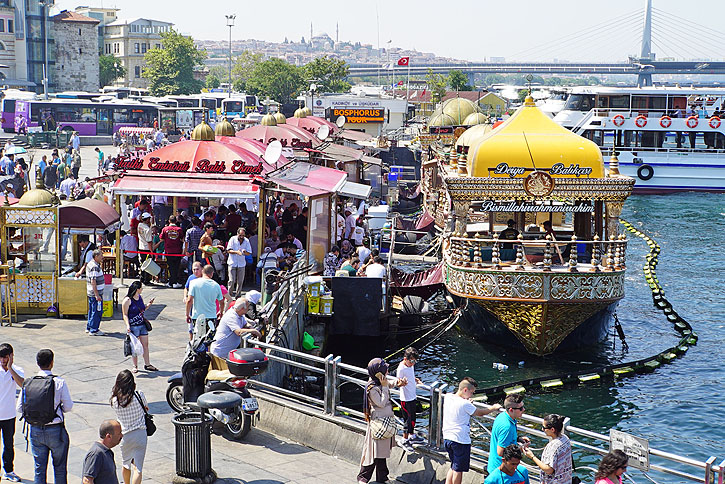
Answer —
(38, 397)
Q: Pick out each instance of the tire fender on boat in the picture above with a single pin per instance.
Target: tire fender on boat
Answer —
(715, 122)
(692, 122)
(618, 120)
(645, 172)
(665, 121)
(640, 121)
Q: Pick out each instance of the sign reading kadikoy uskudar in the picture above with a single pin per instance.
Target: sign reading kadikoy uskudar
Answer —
(557, 169)
(156, 164)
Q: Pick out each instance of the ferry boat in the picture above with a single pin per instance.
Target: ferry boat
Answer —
(491, 196)
(669, 139)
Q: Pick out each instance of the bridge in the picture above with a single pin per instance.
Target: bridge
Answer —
(673, 34)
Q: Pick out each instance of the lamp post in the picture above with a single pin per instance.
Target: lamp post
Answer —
(313, 88)
(43, 13)
(230, 24)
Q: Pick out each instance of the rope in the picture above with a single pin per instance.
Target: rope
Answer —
(687, 339)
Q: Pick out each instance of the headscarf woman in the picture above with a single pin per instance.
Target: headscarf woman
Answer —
(376, 404)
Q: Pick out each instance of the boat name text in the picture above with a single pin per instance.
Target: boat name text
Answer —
(556, 169)
(493, 206)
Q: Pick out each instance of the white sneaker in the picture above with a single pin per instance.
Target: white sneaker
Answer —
(11, 476)
(86, 330)
(97, 333)
(177, 286)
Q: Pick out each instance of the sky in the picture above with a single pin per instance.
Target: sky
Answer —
(534, 30)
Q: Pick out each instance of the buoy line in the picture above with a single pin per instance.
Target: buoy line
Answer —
(620, 370)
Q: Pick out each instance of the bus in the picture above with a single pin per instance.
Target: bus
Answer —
(10, 97)
(239, 106)
(88, 118)
(197, 101)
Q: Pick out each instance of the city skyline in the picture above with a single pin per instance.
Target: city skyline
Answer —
(474, 31)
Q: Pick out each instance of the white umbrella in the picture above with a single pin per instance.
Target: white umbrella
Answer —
(15, 150)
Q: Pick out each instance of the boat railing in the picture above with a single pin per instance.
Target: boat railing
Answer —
(650, 114)
(482, 252)
(333, 374)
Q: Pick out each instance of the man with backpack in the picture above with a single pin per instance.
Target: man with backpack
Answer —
(43, 402)
(11, 377)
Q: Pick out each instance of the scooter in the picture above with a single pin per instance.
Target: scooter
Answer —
(203, 372)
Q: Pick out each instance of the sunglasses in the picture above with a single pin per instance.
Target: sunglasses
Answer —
(518, 408)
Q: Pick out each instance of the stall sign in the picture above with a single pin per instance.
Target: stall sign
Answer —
(358, 115)
(558, 169)
(508, 206)
(184, 118)
(155, 164)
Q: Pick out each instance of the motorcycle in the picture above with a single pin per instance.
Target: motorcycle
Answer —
(203, 372)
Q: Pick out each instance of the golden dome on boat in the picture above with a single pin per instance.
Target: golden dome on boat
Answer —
(531, 140)
(473, 134)
(224, 128)
(280, 118)
(268, 120)
(38, 197)
(300, 113)
(459, 109)
(307, 110)
(203, 132)
(441, 120)
(474, 119)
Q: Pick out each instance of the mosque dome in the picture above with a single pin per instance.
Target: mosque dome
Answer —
(203, 132)
(459, 108)
(530, 139)
(37, 197)
(475, 118)
(268, 120)
(280, 118)
(224, 128)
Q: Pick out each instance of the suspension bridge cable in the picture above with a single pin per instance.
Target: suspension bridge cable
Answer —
(684, 35)
(680, 36)
(719, 34)
(663, 41)
(661, 44)
(577, 34)
(677, 23)
(665, 51)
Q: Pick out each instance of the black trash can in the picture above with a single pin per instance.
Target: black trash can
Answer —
(193, 444)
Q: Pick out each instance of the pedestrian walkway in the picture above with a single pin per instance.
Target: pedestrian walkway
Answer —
(89, 364)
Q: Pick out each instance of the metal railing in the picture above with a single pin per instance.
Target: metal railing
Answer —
(587, 444)
(279, 306)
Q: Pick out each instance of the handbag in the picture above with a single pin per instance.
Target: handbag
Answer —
(148, 418)
(382, 428)
(147, 323)
(127, 351)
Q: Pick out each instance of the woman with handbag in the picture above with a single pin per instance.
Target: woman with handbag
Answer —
(131, 410)
(136, 324)
(555, 463)
(381, 428)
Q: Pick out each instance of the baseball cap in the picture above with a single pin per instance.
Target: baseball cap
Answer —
(145, 215)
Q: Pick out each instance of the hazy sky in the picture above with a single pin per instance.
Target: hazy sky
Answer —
(606, 30)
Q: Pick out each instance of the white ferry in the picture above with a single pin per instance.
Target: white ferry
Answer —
(669, 139)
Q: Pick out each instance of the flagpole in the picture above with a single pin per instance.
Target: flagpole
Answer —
(407, 84)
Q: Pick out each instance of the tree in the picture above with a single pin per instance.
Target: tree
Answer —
(170, 69)
(243, 68)
(329, 74)
(212, 81)
(110, 68)
(458, 81)
(436, 85)
(277, 79)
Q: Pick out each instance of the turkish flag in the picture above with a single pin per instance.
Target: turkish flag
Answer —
(400, 83)
(404, 61)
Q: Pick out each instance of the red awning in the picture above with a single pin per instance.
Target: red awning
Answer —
(88, 213)
(185, 187)
(306, 178)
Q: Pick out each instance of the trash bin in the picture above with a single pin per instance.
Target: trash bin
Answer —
(193, 444)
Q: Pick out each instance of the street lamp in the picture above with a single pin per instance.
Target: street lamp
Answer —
(230, 24)
(43, 13)
(313, 88)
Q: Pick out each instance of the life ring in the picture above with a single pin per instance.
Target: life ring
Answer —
(640, 121)
(665, 121)
(714, 122)
(645, 172)
(618, 120)
(692, 122)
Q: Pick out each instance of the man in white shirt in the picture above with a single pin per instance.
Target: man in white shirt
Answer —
(457, 412)
(350, 221)
(52, 438)
(233, 325)
(11, 377)
(376, 269)
(363, 253)
(238, 249)
(145, 240)
(67, 185)
(340, 227)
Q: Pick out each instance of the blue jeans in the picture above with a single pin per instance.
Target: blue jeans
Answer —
(94, 315)
(53, 440)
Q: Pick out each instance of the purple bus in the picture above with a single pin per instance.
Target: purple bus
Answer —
(88, 118)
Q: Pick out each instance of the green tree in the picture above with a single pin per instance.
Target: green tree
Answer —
(329, 74)
(110, 68)
(436, 86)
(243, 68)
(212, 81)
(492, 79)
(277, 79)
(458, 81)
(220, 72)
(170, 69)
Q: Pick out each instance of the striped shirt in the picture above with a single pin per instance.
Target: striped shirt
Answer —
(557, 455)
(94, 272)
(131, 416)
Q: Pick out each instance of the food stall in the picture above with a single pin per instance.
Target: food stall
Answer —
(91, 217)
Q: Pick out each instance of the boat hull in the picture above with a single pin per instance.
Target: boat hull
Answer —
(538, 328)
(673, 171)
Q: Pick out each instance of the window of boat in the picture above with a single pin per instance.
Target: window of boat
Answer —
(677, 102)
(619, 102)
(579, 102)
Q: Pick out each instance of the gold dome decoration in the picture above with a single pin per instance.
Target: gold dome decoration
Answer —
(224, 128)
(441, 120)
(474, 119)
(280, 118)
(38, 197)
(473, 134)
(300, 113)
(203, 132)
(508, 150)
(268, 120)
(307, 110)
(459, 108)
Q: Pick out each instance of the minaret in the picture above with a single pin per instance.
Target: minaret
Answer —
(337, 33)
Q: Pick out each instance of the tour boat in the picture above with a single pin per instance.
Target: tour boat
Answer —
(669, 139)
(533, 290)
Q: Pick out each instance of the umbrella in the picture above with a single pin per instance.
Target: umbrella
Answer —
(286, 134)
(312, 123)
(254, 146)
(15, 150)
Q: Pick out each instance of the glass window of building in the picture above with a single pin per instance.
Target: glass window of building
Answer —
(11, 26)
(137, 71)
(2, 25)
(136, 48)
(143, 48)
